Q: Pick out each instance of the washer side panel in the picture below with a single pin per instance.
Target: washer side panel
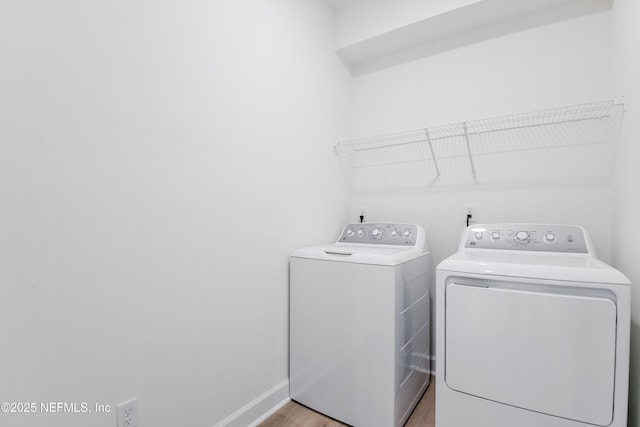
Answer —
(342, 321)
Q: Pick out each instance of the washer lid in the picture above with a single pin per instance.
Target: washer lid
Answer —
(359, 254)
(378, 243)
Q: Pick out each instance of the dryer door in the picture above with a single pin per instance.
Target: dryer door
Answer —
(547, 352)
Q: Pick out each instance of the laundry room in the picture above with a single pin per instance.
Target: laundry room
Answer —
(161, 162)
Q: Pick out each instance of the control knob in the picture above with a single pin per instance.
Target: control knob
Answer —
(495, 235)
(350, 233)
(549, 238)
(360, 233)
(406, 234)
(522, 237)
(478, 235)
(394, 234)
(376, 233)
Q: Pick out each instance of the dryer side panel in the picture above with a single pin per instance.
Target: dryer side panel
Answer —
(544, 352)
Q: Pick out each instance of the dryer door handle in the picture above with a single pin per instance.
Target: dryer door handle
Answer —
(474, 285)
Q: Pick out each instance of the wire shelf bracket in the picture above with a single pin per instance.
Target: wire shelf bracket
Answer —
(466, 140)
(433, 155)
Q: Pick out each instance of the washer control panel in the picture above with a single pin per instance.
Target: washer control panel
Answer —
(527, 237)
(382, 233)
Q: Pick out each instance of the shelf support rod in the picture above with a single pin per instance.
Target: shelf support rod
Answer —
(433, 155)
(466, 139)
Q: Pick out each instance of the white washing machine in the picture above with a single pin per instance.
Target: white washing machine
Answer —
(359, 324)
(532, 331)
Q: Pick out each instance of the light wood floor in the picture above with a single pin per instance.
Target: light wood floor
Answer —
(295, 415)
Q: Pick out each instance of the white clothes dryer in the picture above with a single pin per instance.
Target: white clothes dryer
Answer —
(532, 331)
(359, 324)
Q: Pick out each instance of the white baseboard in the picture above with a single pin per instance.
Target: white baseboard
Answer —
(259, 408)
(270, 411)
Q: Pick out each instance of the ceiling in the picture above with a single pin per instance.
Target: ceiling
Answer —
(339, 4)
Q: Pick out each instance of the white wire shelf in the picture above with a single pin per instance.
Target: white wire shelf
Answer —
(568, 144)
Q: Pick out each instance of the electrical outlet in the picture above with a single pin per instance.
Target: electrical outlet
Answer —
(127, 413)
(362, 214)
(469, 214)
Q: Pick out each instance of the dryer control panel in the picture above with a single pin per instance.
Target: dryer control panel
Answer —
(382, 233)
(527, 237)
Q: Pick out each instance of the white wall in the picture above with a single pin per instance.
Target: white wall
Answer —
(560, 64)
(626, 233)
(158, 163)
